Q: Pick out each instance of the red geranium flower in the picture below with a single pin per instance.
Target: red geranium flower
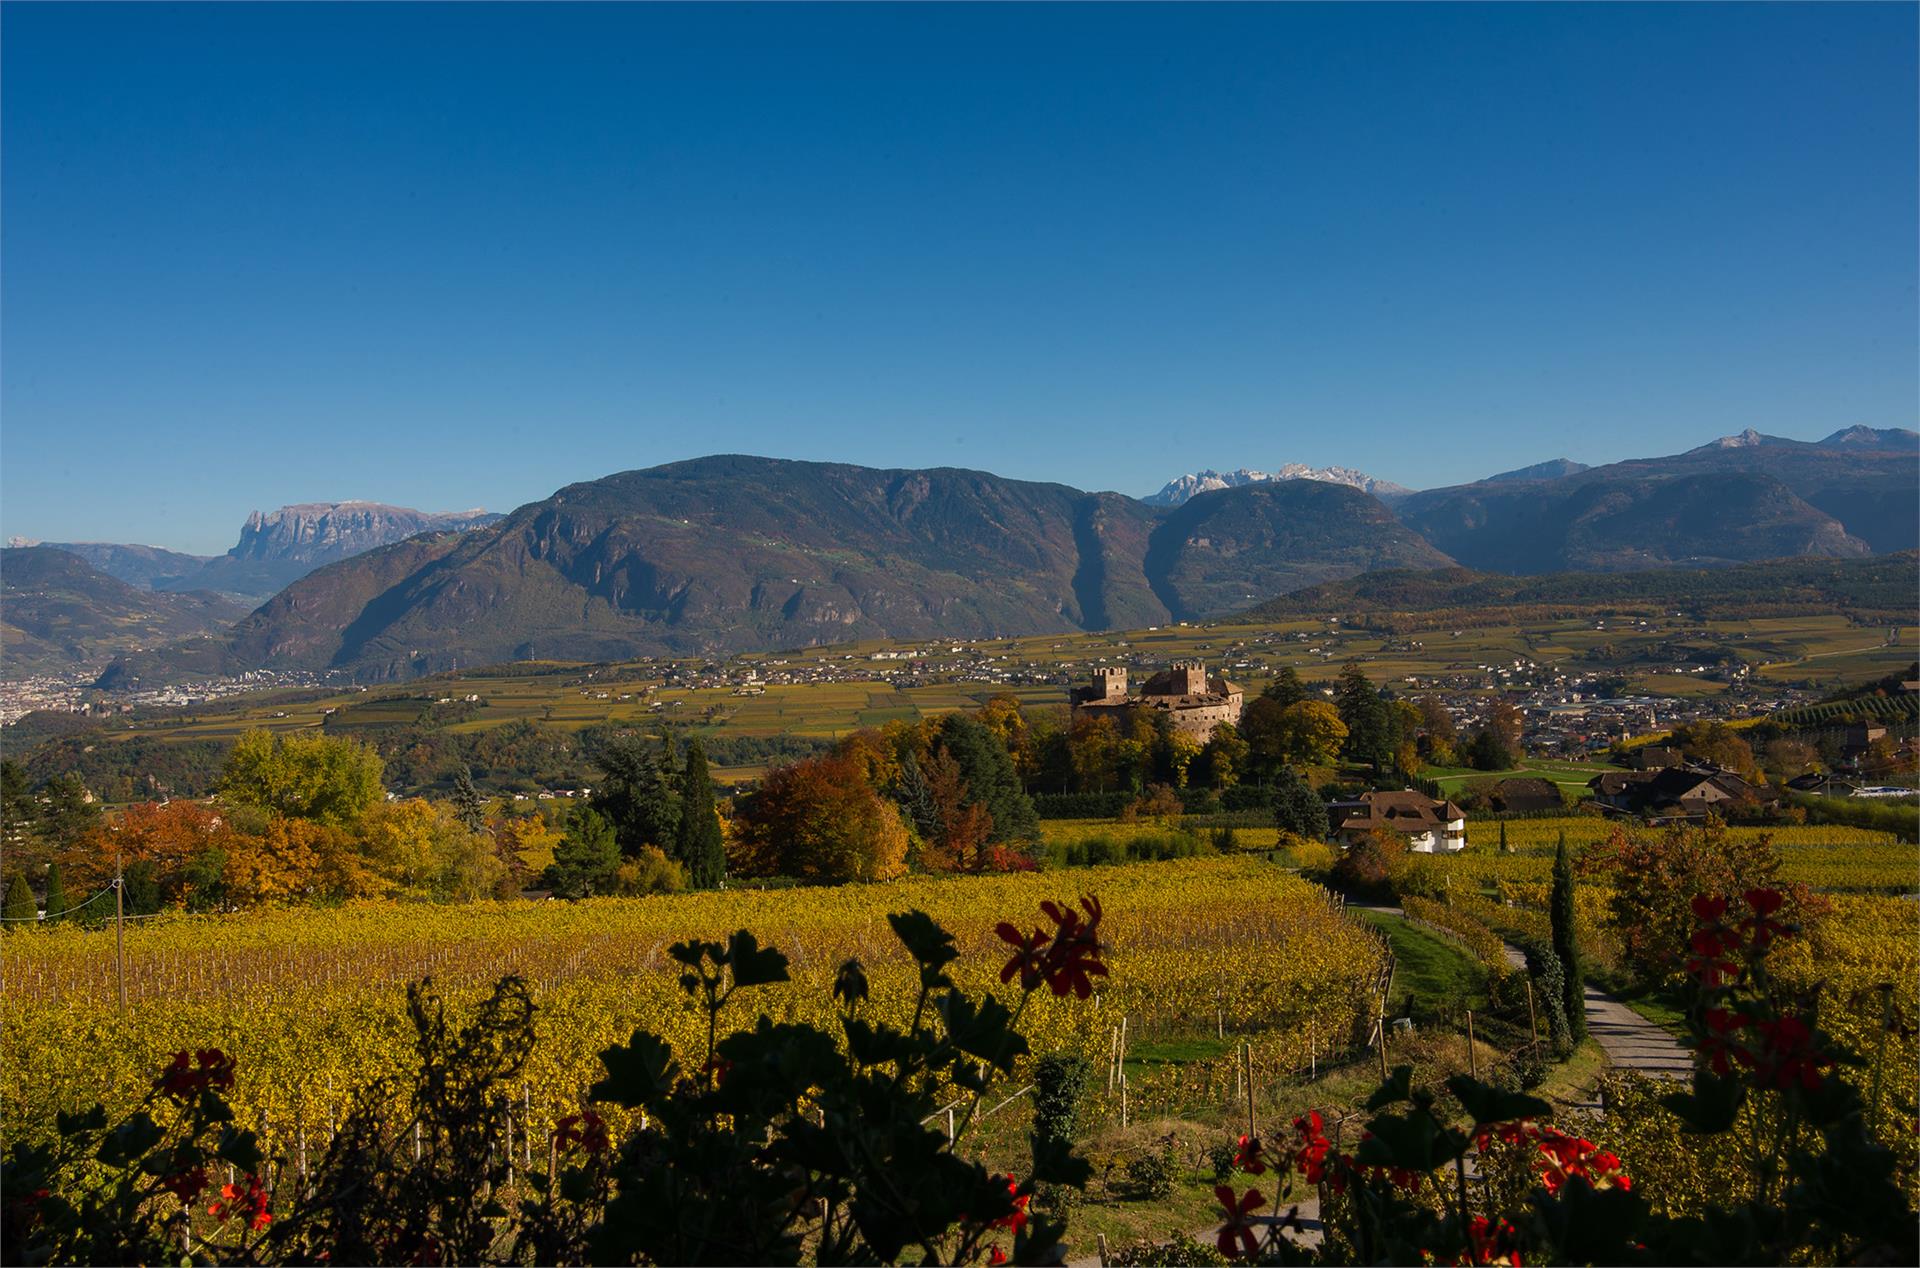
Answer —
(1072, 958)
(1311, 1156)
(1247, 1159)
(1028, 959)
(1787, 1057)
(185, 1078)
(249, 1204)
(187, 1184)
(1018, 1220)
(1239, 1225)
(1491, 1243)
(1761, 926)
(1719, 1044)
(585, 1129)
(996, 1256)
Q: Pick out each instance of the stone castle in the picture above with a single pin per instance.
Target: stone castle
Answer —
(1195, 703)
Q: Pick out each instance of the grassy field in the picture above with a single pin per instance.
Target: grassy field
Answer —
(1570, 777)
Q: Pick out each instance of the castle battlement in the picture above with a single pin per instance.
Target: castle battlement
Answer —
(1195, 703)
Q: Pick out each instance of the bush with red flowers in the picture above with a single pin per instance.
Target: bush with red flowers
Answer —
(1821, 1190)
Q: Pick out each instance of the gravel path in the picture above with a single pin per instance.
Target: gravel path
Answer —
(1630, 1041)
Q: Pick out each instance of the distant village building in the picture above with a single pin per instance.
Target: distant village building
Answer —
(1677, 793)
(1526, 795)
(1195, 703)
(1823, 785)
(1654, 757)
(1431, 827)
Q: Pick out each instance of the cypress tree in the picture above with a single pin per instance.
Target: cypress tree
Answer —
(1504, 848)
(1544, 966)
(698, 842)
(1565, 946)
(20, 907)
(56, 892)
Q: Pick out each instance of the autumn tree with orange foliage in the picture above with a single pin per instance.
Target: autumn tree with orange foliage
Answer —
(184, 843)
(819, 819)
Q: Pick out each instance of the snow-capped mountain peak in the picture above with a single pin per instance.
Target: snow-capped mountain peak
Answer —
(1178, 490)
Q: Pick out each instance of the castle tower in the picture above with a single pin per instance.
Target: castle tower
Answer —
(1190, 678)
(1110, 682)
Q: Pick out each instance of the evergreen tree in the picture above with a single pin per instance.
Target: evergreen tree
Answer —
(699, 845)
(987, 768)
(1488, 750)
(468, 805)
(1565, 945)
(1286, 688)
(66, 814)
(20, 909)
(1504, 847)
(1551, 996)
(1297, 808)
(914, 796)
(636, 794)
(56, 892)
(143, 888)
(17, 812)
(584, 861)
(1370, 737)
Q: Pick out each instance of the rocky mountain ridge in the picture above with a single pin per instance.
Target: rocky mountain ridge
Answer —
(275, 549)
(1178, 490)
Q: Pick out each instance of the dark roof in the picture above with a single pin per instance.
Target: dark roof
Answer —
(1523, 793)
(1685, 787)
(1407, 812)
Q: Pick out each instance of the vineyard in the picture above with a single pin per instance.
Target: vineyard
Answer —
(310, 1003)
(1824, 856)
(1861, 959)
(1904, 708)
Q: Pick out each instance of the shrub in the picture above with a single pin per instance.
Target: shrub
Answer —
(1058, 1083)
(649, 872)
(1149, 1176)
(1180, 1250)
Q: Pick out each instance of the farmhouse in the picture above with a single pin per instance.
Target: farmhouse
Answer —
(1431, 827)
(1526, 795)
(1674, 794)
(1195, 703)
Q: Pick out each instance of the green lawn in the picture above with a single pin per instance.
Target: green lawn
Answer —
(1570, 777)
(1430, 972)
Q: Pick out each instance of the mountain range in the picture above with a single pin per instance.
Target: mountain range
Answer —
(1739, 498)
(1177, 490)
(735, 553)
(61, 614)
(275, 549)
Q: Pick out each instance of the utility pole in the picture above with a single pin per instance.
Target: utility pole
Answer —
(120, 928)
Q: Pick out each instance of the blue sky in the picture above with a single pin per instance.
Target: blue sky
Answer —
(452, 256)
